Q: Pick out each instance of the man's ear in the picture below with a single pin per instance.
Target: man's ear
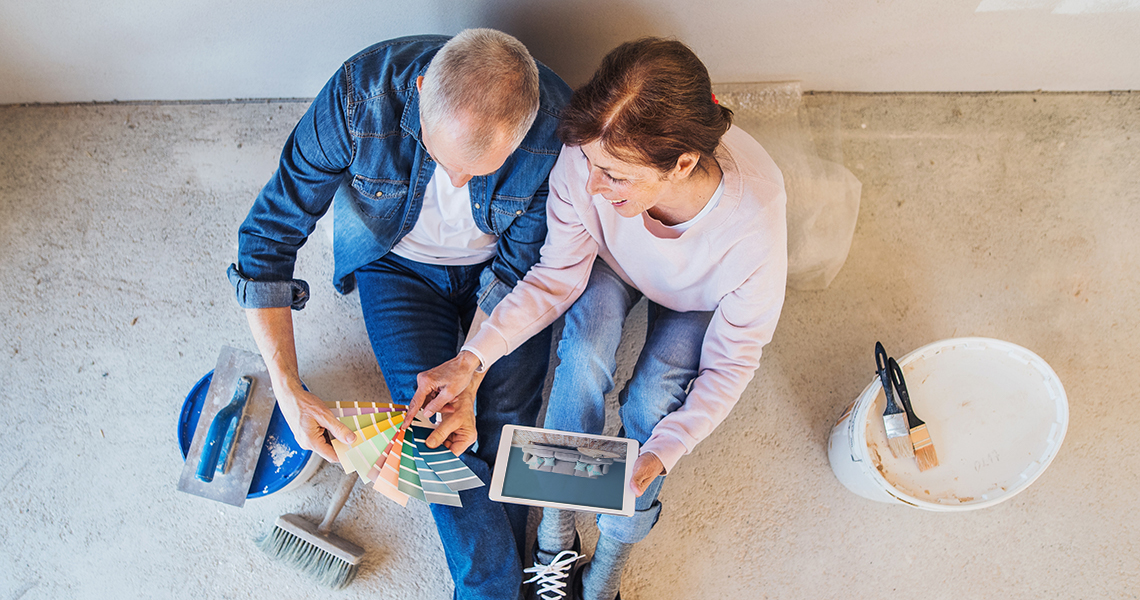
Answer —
(685, 165)
(420, 83)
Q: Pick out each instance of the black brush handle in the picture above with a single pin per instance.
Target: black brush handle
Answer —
(900, 389)
(881, 361)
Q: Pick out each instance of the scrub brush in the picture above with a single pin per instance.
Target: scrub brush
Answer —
(312, 549)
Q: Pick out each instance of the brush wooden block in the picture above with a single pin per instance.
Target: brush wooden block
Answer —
(329, 542)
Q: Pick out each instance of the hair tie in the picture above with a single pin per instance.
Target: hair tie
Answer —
(714, 99)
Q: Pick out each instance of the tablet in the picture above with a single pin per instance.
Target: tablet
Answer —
(559, 469)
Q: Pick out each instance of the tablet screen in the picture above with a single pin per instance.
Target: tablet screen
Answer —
(575, 471)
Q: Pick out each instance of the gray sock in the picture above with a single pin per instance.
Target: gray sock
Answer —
(602, 577)
(556, 533)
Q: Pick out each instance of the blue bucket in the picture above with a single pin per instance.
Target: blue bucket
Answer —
(282, 461)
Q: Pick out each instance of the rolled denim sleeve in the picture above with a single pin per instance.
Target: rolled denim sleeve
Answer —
(293, 293)
(491, 290)
(312, 164)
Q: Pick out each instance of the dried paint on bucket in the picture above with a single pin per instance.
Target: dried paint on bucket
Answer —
(278, 452)
(997, 415)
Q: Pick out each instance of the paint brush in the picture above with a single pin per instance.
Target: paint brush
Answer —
(894, 419)
(919, 436)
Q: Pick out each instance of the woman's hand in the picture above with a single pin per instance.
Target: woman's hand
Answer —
(309, 420)
(439, 387)
(645, 470)
(456, 431)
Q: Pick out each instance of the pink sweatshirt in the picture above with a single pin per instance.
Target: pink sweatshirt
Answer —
(733, 260)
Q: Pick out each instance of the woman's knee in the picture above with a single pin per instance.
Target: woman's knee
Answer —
(630, 530)
(591, 334)
(645, 400)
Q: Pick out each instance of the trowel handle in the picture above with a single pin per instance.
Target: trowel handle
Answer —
(219, 427)
(338, 501)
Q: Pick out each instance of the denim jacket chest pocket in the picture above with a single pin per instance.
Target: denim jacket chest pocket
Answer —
(505, 209)
(379, 198)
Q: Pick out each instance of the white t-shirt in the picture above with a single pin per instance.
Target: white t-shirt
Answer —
(709, 206)
(445, 233)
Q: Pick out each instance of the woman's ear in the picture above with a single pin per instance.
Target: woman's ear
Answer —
(685, 165)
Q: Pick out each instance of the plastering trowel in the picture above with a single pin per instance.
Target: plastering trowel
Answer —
(231, 430)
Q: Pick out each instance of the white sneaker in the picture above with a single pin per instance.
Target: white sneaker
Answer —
(550, 581)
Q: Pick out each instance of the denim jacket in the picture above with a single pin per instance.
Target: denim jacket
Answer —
(362, 135)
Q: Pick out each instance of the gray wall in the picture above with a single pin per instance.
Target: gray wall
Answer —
(67, 50)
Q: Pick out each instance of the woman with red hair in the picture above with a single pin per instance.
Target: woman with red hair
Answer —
(655, 194)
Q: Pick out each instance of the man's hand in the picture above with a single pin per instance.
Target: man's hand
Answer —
(306, 415)
(310, 420)
(457, 429)
(645, 470)
(441, 386)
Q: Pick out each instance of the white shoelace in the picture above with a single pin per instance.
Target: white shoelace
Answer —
(552, 577)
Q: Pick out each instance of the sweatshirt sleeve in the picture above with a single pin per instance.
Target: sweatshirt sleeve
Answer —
(742, 324)
(557, 279)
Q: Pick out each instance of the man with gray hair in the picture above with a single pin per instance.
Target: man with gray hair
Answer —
(435, 153)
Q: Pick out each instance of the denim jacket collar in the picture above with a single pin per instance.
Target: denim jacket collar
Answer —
(410, 121)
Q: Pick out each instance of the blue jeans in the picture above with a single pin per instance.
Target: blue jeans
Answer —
(416, 315)
(668, 363)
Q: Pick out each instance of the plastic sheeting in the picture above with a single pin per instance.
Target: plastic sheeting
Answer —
(823, 196)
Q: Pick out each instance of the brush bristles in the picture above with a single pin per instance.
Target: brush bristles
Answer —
(326, 568)
(923, 448)
(901, 446)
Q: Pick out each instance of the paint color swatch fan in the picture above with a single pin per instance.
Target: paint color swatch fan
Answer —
(398, 463)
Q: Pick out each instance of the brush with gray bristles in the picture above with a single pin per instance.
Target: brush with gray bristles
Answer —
(894, 418)
(312, 549)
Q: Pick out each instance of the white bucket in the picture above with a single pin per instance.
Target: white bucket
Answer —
(997, 415)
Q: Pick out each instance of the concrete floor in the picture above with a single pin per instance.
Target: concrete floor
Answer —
(1011, 216)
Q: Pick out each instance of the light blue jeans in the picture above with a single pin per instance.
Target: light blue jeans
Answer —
(668, 363)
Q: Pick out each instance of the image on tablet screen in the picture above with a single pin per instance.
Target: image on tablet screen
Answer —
(565, 468)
